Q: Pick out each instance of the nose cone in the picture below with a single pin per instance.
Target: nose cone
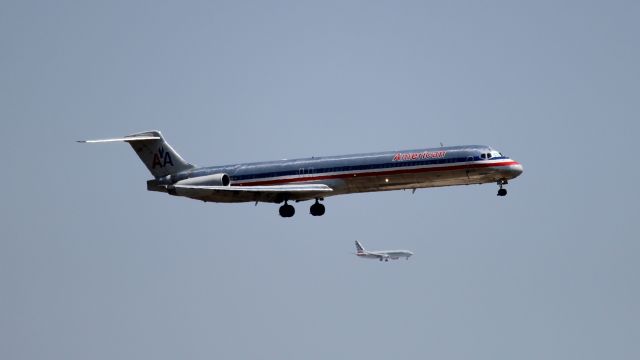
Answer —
(516, 169)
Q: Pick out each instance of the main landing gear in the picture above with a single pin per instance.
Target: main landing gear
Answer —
(288, 211)
(316, 209)
(502, 191)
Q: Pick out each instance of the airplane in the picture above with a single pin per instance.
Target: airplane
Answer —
(317, 178)
(381, 254)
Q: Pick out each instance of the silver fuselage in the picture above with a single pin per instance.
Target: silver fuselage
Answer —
(393, 170)
(385, 254)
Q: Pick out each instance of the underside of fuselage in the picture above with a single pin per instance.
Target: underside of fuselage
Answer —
(425, 180)
(360, 183)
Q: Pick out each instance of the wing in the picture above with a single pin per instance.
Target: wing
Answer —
(274, 193)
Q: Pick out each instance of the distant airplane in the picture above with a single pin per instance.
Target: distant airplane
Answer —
(381, 254)
(316, 178)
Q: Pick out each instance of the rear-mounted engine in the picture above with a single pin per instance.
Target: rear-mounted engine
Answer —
(207, 180)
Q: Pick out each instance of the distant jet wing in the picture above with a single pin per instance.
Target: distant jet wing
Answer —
(273, 193)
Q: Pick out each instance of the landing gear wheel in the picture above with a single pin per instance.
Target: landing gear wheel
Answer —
(317, 209)
(287, 210)
(502, 191)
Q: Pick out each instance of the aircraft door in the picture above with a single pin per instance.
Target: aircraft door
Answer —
(303, 171)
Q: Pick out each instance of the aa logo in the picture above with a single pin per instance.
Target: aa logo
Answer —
(161, 159)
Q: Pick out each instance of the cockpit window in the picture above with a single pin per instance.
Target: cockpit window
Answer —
(484, 156)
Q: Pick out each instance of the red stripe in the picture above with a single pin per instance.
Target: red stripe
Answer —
(379, 173)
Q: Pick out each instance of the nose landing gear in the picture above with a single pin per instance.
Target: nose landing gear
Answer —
(502, 191)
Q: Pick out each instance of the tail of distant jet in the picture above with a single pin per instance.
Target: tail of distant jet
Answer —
(359, 248)
(155, 153)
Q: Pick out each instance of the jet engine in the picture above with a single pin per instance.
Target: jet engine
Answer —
(207, 180)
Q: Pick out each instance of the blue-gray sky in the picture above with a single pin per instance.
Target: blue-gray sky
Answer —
(93, 266)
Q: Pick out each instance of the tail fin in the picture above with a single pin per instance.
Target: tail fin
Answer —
(359, 248)
(155, 153)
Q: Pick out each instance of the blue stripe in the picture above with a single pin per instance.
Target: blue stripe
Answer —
(386, 165)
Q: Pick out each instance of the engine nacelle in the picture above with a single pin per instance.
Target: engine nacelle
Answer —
(207, 180)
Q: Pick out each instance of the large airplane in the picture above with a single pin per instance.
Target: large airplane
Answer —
(381, 254)
(317, 178)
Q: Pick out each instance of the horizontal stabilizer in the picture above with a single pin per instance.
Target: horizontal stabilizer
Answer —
(156, 154)
(127, 139)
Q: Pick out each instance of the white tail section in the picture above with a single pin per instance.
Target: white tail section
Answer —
(154, 151)
(359, 248)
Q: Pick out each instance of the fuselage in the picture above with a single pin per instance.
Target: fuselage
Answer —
(385, 254)
(318, 177)
(380, 171)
